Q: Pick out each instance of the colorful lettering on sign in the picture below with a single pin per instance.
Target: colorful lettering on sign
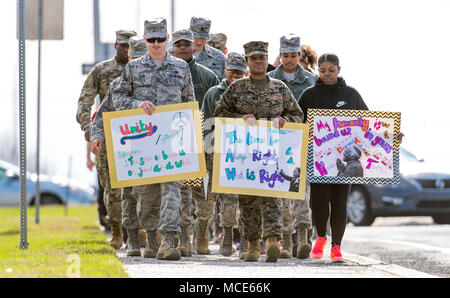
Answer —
(321, 126)
(327, 138)
(142, 130)
(264, 177)
(229, 156)
(231, 173)
(382, 143)
(266, 157)
(320, 166)
(250, 175)
(252, 140)
(364, 124)
(231, 137)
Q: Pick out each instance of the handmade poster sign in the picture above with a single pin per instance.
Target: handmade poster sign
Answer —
(348, 146)
(260, 160)
(166, 146)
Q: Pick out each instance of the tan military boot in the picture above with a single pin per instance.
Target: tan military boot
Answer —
(243, 247)
(202, 241)
(185, 246)
(167, 250)
(116, 240)
(142, 238)
(303, 248)
(286, 247)
(253, 251)
(226, 243)
(272, 249)
(133, 247)
(151, 247)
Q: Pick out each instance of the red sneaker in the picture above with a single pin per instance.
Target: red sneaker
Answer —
(336, 256)
(317, 251)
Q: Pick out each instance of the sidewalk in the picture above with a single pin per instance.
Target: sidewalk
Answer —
(218, 266)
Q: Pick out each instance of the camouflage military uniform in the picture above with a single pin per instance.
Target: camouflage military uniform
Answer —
(129, 203)
(212, 59)
(97, 83)
(218, 41)
(202, 79)
(228, 204)
(170, 83)
(241, 98)
(209, 56)
(294, 209)
(303, 80)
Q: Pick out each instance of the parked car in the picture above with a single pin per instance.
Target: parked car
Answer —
(422, 192)
(53, 190)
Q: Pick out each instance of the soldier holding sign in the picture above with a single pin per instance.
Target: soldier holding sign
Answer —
(152, 80)
(252, 98)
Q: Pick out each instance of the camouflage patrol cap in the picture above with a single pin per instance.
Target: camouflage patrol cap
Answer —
(218, 41)
(236, 61)
(122, 36)
(290, 44)
(183, 34)
(137, 47)
(200, 27)
(155, 28)
(256, 48)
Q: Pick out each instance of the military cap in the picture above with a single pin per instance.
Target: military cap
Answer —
(290, 44)
(218, 41)
(137, 47)
(255, 48)
(183, 34)
(200, 27)
(155, 28)
(122, 36)
(236, 61)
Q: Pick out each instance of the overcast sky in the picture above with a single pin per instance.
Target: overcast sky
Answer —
(393, 52)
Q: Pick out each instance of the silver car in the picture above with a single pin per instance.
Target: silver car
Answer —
(53, 190)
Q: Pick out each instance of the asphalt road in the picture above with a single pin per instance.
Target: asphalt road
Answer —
(412, 242)
(391, 247)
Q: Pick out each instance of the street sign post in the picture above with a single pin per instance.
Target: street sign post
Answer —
(22, 117)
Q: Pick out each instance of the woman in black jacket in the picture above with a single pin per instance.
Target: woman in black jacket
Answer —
(330, 92)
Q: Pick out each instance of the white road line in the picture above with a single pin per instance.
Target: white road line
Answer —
(401, 243)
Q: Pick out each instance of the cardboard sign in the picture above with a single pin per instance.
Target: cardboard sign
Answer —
(166, 146)
(260, 160)
(353, 147)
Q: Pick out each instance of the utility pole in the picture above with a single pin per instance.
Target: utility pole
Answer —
(97, 44)
(172, 14)
(37, 200)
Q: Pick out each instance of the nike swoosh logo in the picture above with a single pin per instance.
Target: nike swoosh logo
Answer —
(340, 104)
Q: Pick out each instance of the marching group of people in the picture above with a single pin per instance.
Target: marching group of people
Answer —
(195, 66)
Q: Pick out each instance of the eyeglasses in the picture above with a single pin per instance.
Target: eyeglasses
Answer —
(158, 39)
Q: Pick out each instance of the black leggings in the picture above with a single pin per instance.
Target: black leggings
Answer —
(324, 195)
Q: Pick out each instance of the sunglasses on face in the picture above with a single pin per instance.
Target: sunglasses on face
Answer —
(158, 39)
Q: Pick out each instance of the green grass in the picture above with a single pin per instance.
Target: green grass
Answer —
(60, 246)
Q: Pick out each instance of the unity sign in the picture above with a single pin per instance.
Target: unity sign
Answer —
(260, 160)
(348, 146)
(166, 146)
